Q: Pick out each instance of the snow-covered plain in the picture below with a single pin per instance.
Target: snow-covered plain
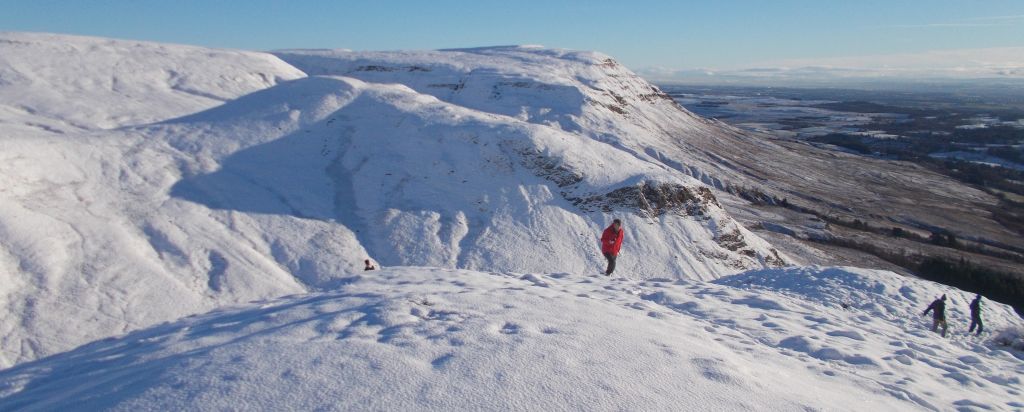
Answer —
(142, 183)
(441, 339)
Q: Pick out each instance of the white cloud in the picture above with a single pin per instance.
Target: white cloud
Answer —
(1008, 17)
(942, 25)
(985, 21)
(1001, 62)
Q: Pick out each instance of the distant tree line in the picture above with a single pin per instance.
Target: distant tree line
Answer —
(1009, 213)
(999, 286)
(1006, 152)
(918, 150)
(994, 284)
(980, 174)
(855, 143)
(989, 135)
(938, 237)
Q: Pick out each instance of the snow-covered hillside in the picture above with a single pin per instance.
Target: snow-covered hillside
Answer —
(143, 183)
(585, 93)
(116, 215)
(437, 339)
(590, 94)
(66, 84)
(74, 255)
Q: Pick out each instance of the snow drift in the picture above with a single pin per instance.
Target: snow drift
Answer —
(436, 339)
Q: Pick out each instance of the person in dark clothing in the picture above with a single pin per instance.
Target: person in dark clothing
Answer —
(611, 242)
(976, 315)
(939, 315)
(369, 266)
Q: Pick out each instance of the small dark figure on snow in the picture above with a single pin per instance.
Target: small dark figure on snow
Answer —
(611, 242)
(369, 266)
(976, 315)
(939, 316)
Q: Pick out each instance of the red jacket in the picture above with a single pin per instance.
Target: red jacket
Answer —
(611, 242)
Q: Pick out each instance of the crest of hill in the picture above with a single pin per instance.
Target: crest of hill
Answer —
(62, 83)
(436, 339)
(288, 188)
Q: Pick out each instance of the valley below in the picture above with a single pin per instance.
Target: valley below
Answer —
(922, 180)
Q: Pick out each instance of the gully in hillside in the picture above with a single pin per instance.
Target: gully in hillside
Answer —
(611, 242)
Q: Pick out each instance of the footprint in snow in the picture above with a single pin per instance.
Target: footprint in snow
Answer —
(967, 404)
(816, 319)
(759, 303)
(851, 334)
(442, 361)
(535, 280)
(637, 306)
(510, 328)
(713, 370)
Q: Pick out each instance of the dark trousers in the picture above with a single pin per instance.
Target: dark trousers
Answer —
(611, 263)
(976, 321)
(937, 322)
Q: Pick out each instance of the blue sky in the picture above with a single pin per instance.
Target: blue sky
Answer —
(670, 34)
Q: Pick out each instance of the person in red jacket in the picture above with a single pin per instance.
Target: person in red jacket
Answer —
(611, 242)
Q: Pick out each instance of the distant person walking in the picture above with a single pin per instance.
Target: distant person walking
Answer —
(611, 242)
(976, 315)
(369, 266)
(939, 315)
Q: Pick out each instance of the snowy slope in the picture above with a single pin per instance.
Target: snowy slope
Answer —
(142, 183)
(425, 182)
(114, 217)
(590, 94)
(436, 339)
(586, 93)
(66, 84)
(80, 244)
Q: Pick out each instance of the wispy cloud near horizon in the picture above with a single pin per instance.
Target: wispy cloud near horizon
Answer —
(983, 21)
(1006, 17)
(984, 63)
(939, 25)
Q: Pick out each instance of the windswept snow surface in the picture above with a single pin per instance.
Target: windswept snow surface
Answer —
(439, 339)
(66, 84)
(115, 216)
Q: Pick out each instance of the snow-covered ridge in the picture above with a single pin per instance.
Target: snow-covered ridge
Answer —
(391, 153)
(129, 205)
(505, 162)
(583, 92)
(61, 83)
(436, 339)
